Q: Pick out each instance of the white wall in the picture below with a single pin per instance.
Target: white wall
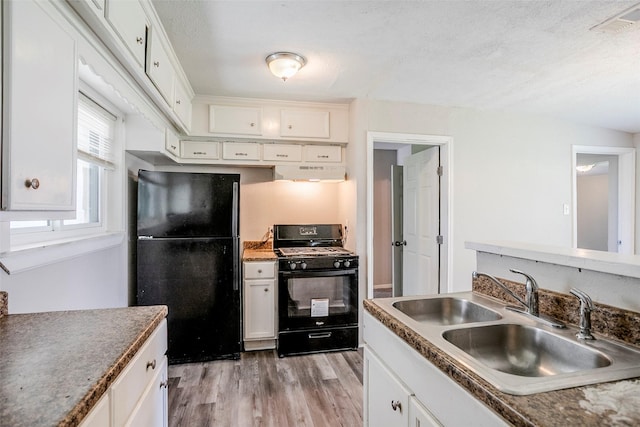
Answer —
(95, 280)
(511, 172)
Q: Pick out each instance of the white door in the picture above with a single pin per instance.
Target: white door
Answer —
(421, 218)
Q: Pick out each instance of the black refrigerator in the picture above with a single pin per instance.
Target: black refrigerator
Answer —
(188, 259)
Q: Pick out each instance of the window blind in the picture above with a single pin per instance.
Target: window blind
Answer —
(96, 128)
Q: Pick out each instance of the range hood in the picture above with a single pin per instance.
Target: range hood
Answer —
(326, 173)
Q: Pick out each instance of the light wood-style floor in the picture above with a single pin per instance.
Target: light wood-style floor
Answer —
(262, 389)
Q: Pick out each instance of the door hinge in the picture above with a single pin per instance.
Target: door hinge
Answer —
(439, 240)
(440, 171)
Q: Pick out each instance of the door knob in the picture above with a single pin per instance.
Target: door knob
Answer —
(398, 243)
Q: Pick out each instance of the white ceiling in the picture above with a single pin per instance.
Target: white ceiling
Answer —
(519, 55)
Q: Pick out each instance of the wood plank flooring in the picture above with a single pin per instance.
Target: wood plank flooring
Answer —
(262, 389)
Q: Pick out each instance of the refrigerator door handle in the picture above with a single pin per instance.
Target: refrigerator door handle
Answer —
(234, 209)
(236, 263)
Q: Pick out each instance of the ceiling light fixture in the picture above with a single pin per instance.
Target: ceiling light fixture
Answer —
(285, 64)
(585, 168)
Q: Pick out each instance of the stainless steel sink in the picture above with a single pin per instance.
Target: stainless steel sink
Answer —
(516, 354)
(525, 350)
(446, 311)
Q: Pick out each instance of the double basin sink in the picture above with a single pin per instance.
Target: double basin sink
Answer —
(514, 353)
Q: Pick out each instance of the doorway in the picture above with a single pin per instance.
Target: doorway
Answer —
(383, 151)
(604, 198)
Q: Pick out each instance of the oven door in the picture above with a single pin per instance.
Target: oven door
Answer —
(316, 299)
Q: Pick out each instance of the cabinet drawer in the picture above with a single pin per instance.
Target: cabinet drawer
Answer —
(235, 120)
(259, 270)
(240, 151)
(282, 152)
(200, 150)
(304, 124)
(128, 388)
(323, 153)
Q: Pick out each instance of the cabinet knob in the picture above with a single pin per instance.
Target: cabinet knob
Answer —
(151, 365)
(252, 124)
(164, 384)
(139, 40)
(156, 63)
(290, 127)
(32, 183)
(178, 102)
(266, 289)
(259, 271)
(396, 405)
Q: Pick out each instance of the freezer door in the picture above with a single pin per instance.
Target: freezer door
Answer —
(179, 204)
(196, 279)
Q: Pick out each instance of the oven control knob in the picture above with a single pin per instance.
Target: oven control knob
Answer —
(336, 264)
(292, 266)
(303, 265)
(347, 263)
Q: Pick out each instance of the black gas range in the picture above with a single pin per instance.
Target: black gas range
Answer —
(317, 289)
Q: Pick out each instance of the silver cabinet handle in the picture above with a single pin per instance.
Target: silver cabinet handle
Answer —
(164, 384)
(156, 63)
(396, 405)
(151, 365)
(139, 40)
(32, 183)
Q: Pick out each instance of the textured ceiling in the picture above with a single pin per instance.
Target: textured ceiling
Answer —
(519, 56)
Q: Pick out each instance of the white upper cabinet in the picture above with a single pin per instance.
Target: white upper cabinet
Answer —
(235, 120)
(130, 23)
(39, 128)
(182, 103)
(159, 68)
(304, 124)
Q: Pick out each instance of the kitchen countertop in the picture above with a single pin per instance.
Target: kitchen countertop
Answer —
(614, 403)
(258, 251)
(55, 366)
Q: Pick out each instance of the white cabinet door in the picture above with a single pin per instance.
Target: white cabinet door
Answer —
(100, 415)
(387, 399)
(171, 142)
(304, 124)
(39, 128)
(182, 104)
(130, 23)
(235, 120)
(282, 152)
(259, 319)
(419, 416)
(323, 153)
(159, 68)
(151, 410)
(200, 150)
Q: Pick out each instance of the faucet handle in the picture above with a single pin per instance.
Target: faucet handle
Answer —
(530, 279)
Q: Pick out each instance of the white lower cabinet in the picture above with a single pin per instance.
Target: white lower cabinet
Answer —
(402, 388)
(100, 415)
(259, 305)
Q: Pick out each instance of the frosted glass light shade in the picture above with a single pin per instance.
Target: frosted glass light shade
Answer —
(285, 64)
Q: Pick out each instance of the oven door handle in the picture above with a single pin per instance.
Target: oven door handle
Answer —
(319, 273)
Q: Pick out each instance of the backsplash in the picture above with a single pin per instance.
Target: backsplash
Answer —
(612, 322)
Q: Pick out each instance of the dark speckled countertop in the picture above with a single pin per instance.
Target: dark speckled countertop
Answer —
(55, 366)
(611, 404)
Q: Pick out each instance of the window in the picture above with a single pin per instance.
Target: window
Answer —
(95, 159)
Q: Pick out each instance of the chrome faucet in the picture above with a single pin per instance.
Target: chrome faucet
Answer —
(586, 307)
(531, 299)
